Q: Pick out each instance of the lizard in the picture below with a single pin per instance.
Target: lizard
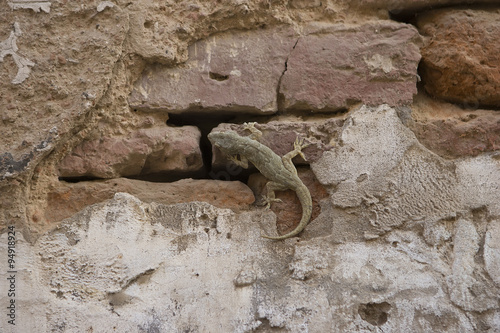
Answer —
(280, 171)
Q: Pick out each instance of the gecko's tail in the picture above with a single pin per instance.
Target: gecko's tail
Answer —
(306, 203)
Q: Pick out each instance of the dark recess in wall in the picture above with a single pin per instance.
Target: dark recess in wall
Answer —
(206, 122)
(410, 16)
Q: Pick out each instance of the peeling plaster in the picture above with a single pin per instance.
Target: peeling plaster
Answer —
(104, 4)
(9, 47)
(29, 4)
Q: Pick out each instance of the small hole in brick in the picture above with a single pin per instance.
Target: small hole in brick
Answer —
(374, 313)
(218, 77)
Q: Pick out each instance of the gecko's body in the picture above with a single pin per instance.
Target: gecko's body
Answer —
(280, 171)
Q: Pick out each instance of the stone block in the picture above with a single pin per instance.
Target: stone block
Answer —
(235, 71)
(141, 152)
(66, 199)
(460, 56)
(453, 132)
(334, 67)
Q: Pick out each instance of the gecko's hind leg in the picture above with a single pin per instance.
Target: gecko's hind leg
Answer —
(270, 197)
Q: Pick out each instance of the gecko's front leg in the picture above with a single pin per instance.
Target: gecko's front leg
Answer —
(298, 145)
(242, 161)
(255, 133)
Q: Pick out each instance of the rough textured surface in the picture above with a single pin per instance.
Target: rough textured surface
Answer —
(405, 229)
(66, 199)
(394, 248)
(234, 71)
(190, 256)
(409, 185)
(241, 71)
(74, 50)
(86, 58)
(62, 86)
(334, 67)
(9, 47)
(451, 131)
(156, 150)
(492, 251)
(460, 57)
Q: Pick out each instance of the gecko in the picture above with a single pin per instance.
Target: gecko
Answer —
(280, 171)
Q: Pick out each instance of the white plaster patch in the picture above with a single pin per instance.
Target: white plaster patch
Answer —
(479, 182)
(465, 290)
(373, 141)
(492, 251)
(378, 61)
(381, 166)
(125, 265)
(103, 5)
(9, 47)
(36, 6)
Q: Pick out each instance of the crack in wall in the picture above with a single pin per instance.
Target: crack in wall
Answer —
(280, 98)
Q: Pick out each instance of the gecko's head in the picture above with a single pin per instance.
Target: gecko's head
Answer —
(225, 141)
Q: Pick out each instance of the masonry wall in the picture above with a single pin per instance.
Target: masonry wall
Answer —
(126, 219)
